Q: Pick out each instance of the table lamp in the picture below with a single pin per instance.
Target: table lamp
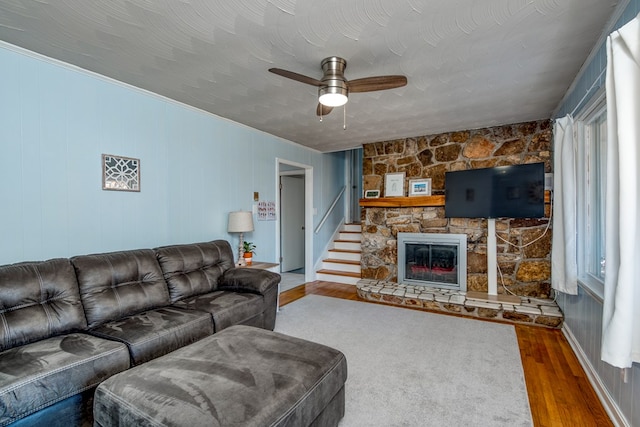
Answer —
(240, 222)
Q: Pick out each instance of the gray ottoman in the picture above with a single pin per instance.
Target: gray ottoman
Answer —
(241, 376)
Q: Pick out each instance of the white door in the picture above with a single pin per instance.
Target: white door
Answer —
(291, 222)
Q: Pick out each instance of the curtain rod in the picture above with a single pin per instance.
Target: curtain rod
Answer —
(588, 91)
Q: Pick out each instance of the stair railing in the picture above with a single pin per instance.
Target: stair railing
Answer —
(333, 205)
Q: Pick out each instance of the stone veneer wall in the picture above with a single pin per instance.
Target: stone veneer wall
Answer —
(527, 271)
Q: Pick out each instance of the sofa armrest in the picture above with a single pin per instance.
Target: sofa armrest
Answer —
(248, 280)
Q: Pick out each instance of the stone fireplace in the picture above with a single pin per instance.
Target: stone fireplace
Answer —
(525, 270)
(436, 260)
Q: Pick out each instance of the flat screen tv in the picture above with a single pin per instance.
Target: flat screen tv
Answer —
(501, 192)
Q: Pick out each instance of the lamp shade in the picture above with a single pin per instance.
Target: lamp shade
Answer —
(240, 222)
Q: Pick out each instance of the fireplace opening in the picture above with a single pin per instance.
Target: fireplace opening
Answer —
(437, 260)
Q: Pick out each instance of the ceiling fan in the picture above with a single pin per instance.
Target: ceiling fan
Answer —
(334, 89)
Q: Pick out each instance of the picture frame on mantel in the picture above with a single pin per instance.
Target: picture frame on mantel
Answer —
(420, 187)
(371, 194)
(394, 184)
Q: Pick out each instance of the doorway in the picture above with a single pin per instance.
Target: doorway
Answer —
(301, 232)
(292, 222)
(354, 183)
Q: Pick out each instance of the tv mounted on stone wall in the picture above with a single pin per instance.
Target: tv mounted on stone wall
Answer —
(515, 191)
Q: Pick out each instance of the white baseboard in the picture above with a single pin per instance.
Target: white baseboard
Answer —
(610, 406)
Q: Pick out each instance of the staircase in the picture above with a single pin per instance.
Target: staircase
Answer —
(343, 262)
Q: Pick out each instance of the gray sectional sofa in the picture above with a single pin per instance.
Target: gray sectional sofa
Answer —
(69, 324)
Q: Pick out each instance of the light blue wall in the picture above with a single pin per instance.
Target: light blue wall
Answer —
(57, 121)
(333, 173)
(583, 312)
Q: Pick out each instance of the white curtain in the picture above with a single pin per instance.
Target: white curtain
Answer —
(564, 268)
(621, 314)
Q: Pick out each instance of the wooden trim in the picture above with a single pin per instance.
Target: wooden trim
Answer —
(407, 202)
(394, 202)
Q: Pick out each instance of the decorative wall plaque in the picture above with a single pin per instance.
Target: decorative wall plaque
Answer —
(120, 173)
(266, 211)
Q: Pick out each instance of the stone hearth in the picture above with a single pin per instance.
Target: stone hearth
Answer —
(531, 311)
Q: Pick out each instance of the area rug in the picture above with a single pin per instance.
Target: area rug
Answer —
(413, 368)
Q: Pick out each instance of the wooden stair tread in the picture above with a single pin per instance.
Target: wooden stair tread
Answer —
(347, 251)
(341, 261)
(352, 240)
(339, 273)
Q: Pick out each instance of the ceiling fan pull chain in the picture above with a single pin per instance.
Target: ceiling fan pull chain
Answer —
(344, 117)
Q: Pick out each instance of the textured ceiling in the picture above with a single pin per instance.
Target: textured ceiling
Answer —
(469, 63)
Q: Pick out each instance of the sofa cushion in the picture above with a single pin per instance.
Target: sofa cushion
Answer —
(74, 411)
(45, 372)
(194, 269)
(117, 284)
(39, 300)
(228, 308)
(153, 333)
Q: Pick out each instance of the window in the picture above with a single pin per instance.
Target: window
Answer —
(592, 184)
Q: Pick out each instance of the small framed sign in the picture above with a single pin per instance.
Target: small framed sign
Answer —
(394, 184)
(371, 194)
(420, 187)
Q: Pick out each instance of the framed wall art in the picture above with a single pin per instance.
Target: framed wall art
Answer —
(120, 173)
(420, 187)
(394, 184)
(266, 211)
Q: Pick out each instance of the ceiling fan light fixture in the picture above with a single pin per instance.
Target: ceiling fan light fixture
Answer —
(333, 96)
(334, 89)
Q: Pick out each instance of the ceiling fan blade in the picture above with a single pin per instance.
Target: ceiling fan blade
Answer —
(323, 110)
(370, 84)
(295, 76)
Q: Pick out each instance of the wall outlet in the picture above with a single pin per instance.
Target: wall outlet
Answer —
(548, 181)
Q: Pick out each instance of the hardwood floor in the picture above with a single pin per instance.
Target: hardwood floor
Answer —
(560, 394)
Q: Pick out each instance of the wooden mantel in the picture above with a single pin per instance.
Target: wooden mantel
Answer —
(407, 202)
(395, 202)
